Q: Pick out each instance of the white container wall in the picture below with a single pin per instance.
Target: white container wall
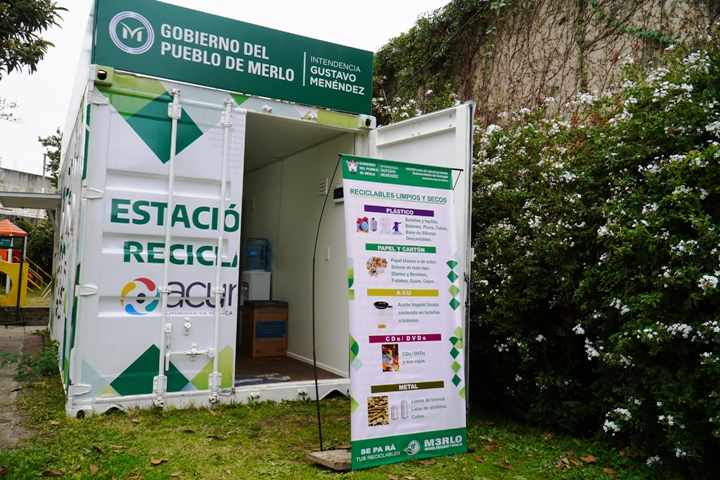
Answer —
(163, 182)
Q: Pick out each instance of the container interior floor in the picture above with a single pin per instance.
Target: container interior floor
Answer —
(283, 366)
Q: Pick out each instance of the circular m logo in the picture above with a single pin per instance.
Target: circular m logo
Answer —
(139, 297)
(131, 33)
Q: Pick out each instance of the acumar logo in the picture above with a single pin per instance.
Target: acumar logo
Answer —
(140, 297)
(131, 32)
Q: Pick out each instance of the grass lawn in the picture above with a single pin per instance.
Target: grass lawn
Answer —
(271, 440)
(34, 298)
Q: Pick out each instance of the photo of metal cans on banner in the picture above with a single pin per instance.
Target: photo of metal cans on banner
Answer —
(406, 349)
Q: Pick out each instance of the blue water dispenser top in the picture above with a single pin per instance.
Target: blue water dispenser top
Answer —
(257, 254)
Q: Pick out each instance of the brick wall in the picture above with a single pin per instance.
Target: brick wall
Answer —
(36, 316)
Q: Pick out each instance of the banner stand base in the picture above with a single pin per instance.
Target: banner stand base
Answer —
(334, 459)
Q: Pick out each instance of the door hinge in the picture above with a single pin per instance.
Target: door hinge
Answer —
(79, 389)
(84, 290)
(92, 193)
(99, 99)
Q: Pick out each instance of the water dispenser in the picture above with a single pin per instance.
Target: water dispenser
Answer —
(256, 277)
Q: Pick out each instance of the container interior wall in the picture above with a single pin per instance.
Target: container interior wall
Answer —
(283, 203)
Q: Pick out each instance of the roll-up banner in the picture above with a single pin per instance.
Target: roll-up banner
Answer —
(407, 381)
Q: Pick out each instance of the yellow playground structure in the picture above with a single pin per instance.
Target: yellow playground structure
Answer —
(16, 271)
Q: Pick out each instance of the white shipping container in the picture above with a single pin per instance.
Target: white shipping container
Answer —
(164, 179)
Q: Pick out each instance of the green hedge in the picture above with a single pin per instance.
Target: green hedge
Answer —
(595, 282)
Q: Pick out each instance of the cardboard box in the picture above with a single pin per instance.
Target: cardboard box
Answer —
(264, 329)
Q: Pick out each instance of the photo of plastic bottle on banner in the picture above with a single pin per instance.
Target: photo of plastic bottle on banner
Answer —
(407, 373)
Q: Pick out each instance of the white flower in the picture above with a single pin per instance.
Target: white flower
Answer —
(590, 350)
(684, 329)
(540, 338)
(667, 420)
(649, 208)
(713, 127)
(624, 413)
(652, 460)
(618, 304)
(610, 426)
(707, 282)
(568, 177)
(579, 330)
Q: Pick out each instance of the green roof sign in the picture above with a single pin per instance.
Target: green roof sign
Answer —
(157, 39)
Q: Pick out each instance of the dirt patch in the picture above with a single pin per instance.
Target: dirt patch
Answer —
(32, 343)
(12, 419)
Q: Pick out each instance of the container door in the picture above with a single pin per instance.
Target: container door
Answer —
(158, 285)
(441, 139)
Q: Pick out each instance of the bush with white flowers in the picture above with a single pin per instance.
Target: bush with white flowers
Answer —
(597, 242)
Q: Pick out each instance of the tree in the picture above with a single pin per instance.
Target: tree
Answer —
(21, 25)
(40, 244)
(5, 110)
(54, 144)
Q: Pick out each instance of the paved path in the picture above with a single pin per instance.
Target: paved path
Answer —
(12, 340)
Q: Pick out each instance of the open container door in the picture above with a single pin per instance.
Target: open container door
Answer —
(442, 139)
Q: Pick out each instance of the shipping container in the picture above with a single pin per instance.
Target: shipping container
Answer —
(189, 135)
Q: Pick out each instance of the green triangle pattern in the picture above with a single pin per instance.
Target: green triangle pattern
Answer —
(153, 125)
(148, 114)
(453, 276)
(354, 348)
(355, 362)
(128, 104)
(457, 343)
(108, 392)
(201, 381)
(239, 99)
(137, 379)
(462, 393)
(226, 363)
(353, 405)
